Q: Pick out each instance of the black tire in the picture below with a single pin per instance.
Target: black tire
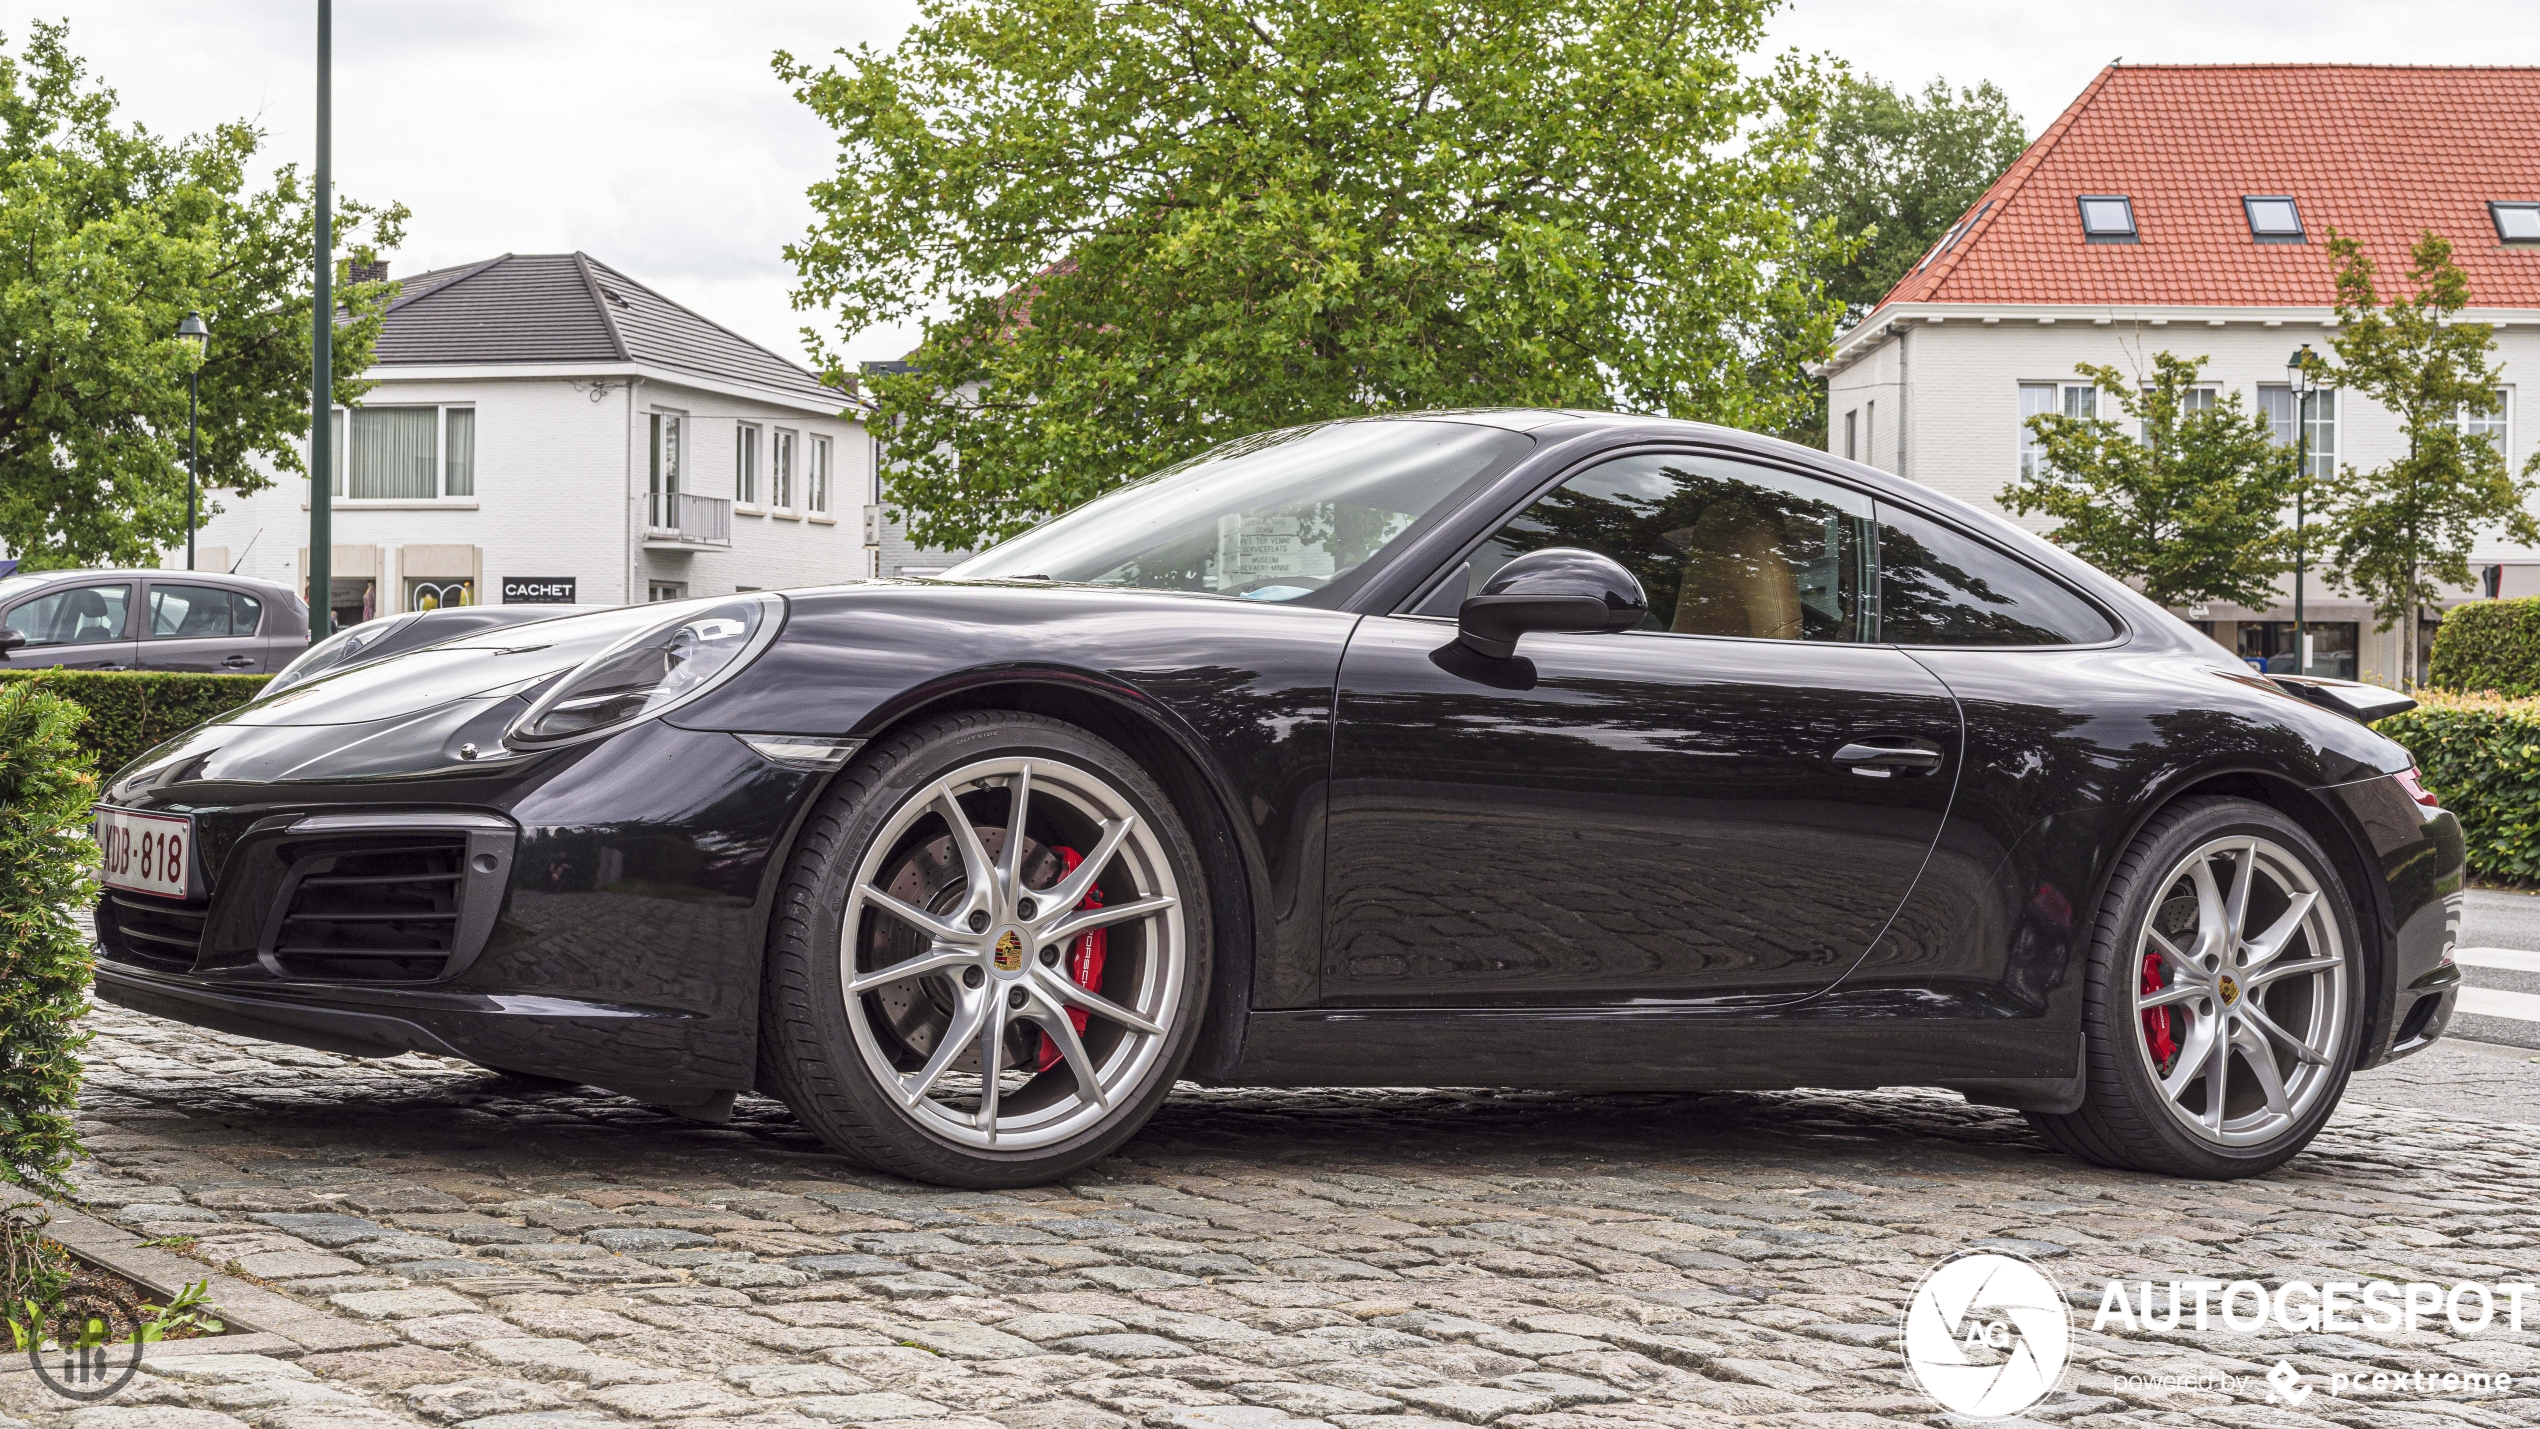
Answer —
(2125, 1119)
(810, 1056)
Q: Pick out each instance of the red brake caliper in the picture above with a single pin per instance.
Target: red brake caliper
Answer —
(2157, 1024)
(1084, 961)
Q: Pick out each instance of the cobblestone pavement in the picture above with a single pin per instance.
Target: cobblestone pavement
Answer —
(534, 1258)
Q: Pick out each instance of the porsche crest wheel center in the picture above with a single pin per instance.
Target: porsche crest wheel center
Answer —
(1010, 953)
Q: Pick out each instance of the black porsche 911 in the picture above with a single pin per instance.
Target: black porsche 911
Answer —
(1540, 749)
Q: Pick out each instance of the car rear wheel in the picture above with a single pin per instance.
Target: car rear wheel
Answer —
(2223, 998)
(989, 956)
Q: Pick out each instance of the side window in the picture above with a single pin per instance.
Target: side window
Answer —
(1721, 547)
(82, 615)
(1937, 587)
(184, 612)
(245, 613)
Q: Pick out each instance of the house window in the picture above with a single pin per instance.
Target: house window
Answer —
(2197, 399)
(2078, 400)
(2516, 222)
(2495, 426)
(816, 487)
(2320, 422)
(780, 469)
(659, 591)
(745, 464)
(1852, 435)
(2107, 218)
(404, 453)
(1870, 432)
(668, 446)
(2273, 218)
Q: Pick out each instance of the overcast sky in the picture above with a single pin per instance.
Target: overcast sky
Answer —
(652, 134)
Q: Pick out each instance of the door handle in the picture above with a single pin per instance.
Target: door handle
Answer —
(1884, 761)
(239, 662)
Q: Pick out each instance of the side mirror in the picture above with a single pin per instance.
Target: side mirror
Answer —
(11, 637)
(1559, 588)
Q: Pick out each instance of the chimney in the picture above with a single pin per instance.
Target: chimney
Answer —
(371, 272)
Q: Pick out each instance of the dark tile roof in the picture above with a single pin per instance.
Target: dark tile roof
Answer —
(2380, 151)
(568, 308)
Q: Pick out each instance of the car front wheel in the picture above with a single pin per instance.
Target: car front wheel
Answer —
(988, 959)
(2223, 1000)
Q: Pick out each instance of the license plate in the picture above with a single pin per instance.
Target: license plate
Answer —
(146, 853)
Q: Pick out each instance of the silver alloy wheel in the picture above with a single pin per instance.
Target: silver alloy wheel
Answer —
(2251, 1020)
(938, 1028)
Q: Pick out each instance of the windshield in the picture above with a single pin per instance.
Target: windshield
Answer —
(1273, 517)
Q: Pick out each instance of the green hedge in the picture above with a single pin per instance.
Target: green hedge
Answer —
(129, 711)
(2489, 645)
(46, 786)
(2480, 755)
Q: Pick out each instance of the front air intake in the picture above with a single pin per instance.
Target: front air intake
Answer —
(409, 902)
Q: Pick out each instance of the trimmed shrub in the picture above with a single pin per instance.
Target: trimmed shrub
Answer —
(2489, 645)
(46, 786)
(2480, 755)
(131, 711)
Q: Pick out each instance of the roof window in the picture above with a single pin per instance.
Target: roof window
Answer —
(2274, 218)
(2516, 222)
(2107, 218)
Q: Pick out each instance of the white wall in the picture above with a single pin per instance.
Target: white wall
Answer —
(560, 486)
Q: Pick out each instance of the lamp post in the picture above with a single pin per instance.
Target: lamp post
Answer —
(192, 330)
(322, 340)
(2298, 370)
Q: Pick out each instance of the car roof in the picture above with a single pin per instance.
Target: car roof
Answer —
(136, 573)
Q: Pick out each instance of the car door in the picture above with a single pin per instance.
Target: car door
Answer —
(205, 628)
(1727, 804)
(78, 625)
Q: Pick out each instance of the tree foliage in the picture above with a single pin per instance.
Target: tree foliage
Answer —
(2189, 504)
(1140, 229)
(2401, 531)
(109, 234)
(1896, 170)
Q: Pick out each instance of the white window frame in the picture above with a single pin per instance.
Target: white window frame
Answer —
(816, 479)
(749, 443)
(2320, 415)
(341, 477)
(2062, 399)
(2500, 422)
(1852, 435)
(783, 446)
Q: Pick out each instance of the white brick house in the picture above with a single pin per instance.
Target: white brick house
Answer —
(2185, 209)
(546, 428)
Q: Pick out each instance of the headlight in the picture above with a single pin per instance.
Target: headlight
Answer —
(650, 673)
(335, 652)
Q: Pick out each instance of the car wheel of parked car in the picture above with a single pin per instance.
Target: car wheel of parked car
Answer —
(2224, 997)
(987, 964)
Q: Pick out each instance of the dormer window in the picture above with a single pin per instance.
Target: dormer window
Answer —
(2107, 218)
(2274, 218)
(2516, 222)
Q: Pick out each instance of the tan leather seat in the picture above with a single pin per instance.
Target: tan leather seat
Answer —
(1738, 580)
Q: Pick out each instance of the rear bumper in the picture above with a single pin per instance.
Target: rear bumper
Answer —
(2421, 862)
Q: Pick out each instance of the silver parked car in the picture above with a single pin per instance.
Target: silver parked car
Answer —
(202, 621)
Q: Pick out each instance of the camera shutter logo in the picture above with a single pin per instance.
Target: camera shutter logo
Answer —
(1987, 1335)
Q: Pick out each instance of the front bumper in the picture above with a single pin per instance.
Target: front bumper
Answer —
(596, 915)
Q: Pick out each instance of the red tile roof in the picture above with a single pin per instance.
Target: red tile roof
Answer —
(2379, 151)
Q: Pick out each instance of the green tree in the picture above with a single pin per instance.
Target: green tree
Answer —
(2189, 504)
(1896, 170)
(109, 234)
(1142, 228)
(2401, 531)
(1891, 173)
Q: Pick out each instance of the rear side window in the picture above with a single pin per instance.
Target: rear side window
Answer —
(1937, 587)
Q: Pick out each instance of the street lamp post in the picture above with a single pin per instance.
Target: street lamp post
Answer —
(321, 572)
(192, 330)
(2298, 369)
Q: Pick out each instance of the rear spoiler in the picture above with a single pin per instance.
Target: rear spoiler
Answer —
(2351, 698)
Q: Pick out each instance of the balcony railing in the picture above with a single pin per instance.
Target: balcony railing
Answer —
(678, 518)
